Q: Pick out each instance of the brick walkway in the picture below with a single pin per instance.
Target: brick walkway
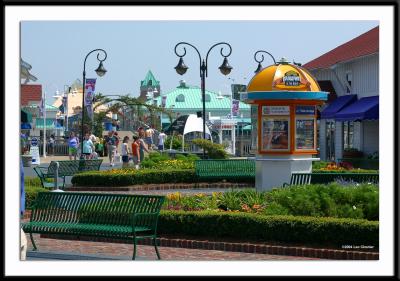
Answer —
(147, 252)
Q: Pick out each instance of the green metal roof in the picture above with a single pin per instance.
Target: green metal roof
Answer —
(48, 107)
(50, 123)
(149, 77)
(189, 97)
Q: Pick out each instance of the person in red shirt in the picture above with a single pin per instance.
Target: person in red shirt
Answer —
(135, 151)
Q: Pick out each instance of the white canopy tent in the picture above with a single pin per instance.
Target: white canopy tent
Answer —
(194, 124)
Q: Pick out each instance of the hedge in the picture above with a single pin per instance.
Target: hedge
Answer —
(145, 176)
(31, 193)
(293, 229)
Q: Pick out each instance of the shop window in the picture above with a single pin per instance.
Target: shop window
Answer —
(348, 134)
(180, 98)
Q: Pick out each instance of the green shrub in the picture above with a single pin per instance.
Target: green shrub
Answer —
(129, 176)
(292, 229)
(316, 165)
(346, 171)
(213, 150)
(333, 200)
(132, 177)
(176, 143)
(31, 193)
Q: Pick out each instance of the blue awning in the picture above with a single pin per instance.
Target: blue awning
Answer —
(337, 105)
(363, 109)
(26, 126)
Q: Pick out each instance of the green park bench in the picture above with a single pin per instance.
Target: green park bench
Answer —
(223, 168)
(116, 216)
(66, 168)
(299, 179)
(324, 178)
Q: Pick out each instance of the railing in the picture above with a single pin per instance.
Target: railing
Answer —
(59, 149)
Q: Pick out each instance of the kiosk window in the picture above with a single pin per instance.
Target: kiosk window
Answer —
(275, 133)
(305, 133)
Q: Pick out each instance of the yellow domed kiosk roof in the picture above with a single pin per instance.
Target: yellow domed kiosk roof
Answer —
(284, 81)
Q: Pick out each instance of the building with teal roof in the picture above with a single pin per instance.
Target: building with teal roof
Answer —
(186, 99)
(149, 84)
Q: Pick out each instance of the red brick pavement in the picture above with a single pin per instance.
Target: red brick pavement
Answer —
(148, 252)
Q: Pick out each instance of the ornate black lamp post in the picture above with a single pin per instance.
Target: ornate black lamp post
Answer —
(262, 59)
(100, 72)
(225, 69)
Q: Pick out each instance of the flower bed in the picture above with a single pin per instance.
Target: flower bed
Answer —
(318, 200)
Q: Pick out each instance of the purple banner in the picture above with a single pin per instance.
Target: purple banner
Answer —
(235, 108)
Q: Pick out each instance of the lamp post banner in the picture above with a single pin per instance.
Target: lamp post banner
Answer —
(89, 94)
(163, 101)
(89, 91)
(235, 108)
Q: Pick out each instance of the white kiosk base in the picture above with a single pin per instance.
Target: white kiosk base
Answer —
(272, 171)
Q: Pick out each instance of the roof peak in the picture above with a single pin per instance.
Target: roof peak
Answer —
(149, 80)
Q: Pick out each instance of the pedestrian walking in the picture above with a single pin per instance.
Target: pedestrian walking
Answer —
(142, 146)
(88, 147)
(136, 152)
(73, 144)
(161, 140)
(125, 152)
(111, 146)
(149, 137)
(52, 141)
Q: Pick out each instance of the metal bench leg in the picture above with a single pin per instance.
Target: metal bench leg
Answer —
(33, 242)
(155, 246)
(134, 248)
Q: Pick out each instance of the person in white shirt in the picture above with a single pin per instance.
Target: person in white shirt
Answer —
(125, 152)
(161, 140)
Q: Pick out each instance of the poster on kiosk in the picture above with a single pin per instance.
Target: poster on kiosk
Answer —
(286, 96)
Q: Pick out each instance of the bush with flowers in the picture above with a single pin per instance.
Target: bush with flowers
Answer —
(318, 200)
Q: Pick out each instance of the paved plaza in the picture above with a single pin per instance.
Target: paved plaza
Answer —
(57, 249)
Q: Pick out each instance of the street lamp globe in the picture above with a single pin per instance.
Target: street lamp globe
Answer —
(101, 70)
(225, 68)
(181, 68)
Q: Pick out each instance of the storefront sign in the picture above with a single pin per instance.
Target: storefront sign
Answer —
(305, 110)
(34, 142)
(275, 110)
(291, 78)
(34, 152)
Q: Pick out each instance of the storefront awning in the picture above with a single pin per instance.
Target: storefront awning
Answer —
(26, 126)
(26, 117)
(50, 123)
(337, 105)
(363, 109)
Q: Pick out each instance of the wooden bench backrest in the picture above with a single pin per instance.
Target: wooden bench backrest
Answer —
(111, 209)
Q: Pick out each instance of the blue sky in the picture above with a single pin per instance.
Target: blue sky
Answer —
(56, 49)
